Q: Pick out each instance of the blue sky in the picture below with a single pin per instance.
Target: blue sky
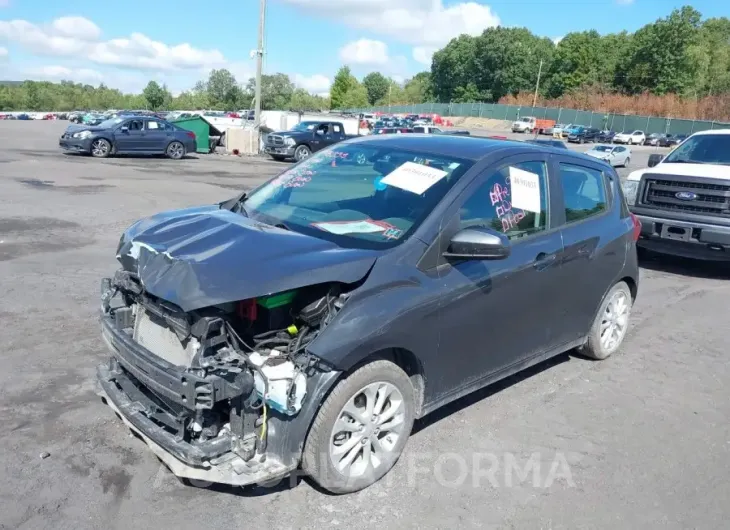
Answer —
(178, 42)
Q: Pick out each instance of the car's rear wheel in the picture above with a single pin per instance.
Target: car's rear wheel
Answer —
(627, 161)
(361, 429)
(302, 152)
(175, 150)
(611, 324)
(101, 148)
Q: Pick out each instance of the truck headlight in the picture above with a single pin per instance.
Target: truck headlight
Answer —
(631, 189)
(81, 135)
(289, 141)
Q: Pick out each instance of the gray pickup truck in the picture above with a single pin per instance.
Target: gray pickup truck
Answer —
(303, 139)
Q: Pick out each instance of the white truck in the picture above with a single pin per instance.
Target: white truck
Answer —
(683, 199)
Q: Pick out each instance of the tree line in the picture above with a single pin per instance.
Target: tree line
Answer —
(677, 59)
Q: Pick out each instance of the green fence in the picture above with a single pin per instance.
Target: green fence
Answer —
(616, 122)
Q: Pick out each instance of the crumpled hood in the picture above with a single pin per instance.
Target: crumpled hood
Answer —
(199, 257)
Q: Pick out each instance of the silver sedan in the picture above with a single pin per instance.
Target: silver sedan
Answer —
(615, 155)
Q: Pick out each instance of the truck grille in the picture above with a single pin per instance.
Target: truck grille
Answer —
(710, 199)
(273, 139)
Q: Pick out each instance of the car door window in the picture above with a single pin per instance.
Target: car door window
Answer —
(323, 129)
(584, 192)
(513, 200)
(337, 129)
(153, 125)
(135, 125)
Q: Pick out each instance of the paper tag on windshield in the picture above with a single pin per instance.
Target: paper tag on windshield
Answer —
(413, 177)
(525, 191)
(350, 227)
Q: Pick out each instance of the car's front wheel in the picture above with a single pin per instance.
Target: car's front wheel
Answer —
(361, 429)
(627, 161)
(611, 323)
(101, 148)
(175, 150)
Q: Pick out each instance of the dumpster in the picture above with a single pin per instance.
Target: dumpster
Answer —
(203, 131)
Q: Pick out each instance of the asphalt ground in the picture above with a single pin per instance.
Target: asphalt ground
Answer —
(638, 441)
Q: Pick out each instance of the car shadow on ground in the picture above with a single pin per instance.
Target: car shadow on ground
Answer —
(122, 157)
(711, 270)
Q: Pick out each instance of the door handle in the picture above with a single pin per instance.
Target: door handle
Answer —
(544, 260)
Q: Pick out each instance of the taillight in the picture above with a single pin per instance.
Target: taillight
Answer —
(637, 227)
(191, 134)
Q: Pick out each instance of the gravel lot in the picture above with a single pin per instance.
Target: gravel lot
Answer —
(639, 441)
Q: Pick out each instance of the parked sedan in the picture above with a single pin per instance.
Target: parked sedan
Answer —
(129, 135)
(615, 155)
(392, 130)
(606, 136)
(307, 324)
(558, 128)
(654, 138)
(630, 138)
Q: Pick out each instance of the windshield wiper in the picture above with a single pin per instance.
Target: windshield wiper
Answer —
(238, 200)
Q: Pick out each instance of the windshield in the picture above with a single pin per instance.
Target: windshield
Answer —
(305, 126)
(107, 124)
(603, 148)
(703, 149)
(359, 195)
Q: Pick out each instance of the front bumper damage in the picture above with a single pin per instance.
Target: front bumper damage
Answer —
(163, 403)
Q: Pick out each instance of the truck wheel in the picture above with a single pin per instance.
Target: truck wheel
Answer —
(361, 429)
(278, 158)
(612, 322)
(301, 153)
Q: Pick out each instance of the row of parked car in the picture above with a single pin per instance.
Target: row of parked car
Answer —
(581, 134)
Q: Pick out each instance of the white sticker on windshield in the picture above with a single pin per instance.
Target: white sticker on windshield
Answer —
(413, 177)
(525, 190)
(350, 227)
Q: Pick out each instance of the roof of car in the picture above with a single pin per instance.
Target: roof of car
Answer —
(712, 131)
(465, 147)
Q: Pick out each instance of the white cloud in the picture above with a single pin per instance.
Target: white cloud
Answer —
(63, 73)
(4, 3)
(556, 40)
(417, 22)
(365, 51)
(315, 84)
(79, 37)
(423, 54)
(4, 53)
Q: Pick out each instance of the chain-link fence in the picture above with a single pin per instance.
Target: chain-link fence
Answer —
(616, 122)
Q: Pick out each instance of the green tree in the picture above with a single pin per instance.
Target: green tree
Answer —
(376, 85)
(454, 66)
(276, 91)
(223, 90)
(343, 83)
(418, 88)
(154, 94)
(661, 58)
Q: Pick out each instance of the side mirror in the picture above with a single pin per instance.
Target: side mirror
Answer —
(124, 129)
(478, 243)
(655, 159)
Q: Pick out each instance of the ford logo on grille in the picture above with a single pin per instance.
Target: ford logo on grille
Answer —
(685, 195)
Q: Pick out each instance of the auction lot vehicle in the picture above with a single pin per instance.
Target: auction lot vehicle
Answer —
(614, 155)
(303, 139)
(429, 129)
(683, 200)
(630, 138)
(143, 135)
(529, 124)
(581, 135)
(310, 322)
(558, 144)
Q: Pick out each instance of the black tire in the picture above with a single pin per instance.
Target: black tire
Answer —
(316, 461)
(627, 162)
(302, 152)
(594, 348)
(175, 150)
(100, 148)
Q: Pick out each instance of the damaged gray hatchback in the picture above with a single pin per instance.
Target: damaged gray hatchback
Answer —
(308, 323)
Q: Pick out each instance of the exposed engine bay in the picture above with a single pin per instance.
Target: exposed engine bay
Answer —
(215, 375)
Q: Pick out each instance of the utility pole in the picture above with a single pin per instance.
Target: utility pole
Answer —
(259, 63)
(390, 91)
(537, 85)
